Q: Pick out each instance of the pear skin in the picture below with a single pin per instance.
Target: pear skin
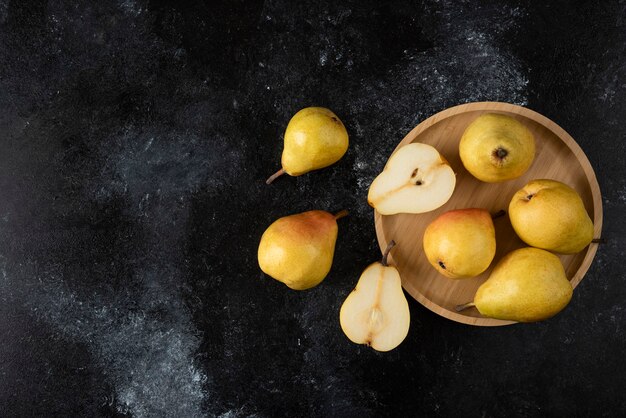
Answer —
(461, 243)
(496, 147)
(376, 313)
(551, 215)
(315, 138)
(527, 285)
(298, 250)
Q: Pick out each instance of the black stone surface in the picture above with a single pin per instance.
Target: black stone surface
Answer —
(134, 141)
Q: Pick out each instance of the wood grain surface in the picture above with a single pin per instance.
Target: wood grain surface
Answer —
(557, 157)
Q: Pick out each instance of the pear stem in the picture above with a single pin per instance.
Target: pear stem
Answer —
(275, 176)
(460, 308)
(598, 240)
(498, 214)
(391, 244)
(341, 214)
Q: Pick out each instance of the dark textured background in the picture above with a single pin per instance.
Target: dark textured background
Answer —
(134, 140)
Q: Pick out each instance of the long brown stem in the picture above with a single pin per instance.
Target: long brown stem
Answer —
(460, 308)
(498, 214)
(598, 240)
(341, 214)
(275, 176)
(386, 253)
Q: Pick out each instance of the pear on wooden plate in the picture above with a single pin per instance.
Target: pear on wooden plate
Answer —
(461, 243)
(496, 148)
(416, 179)
(376, 313)
(551, 215)
(527, 285)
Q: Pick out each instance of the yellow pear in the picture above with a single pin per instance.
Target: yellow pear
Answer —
(527, 285)
(461, 243)
(496, 147)
(376, 312)
(298, 249)
(551, 215)
(416, 179)
(315, 138)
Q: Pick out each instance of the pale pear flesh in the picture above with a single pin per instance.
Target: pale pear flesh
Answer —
(376, 312)
(551, 215)
(461, 243)
(527, 285)
(298, 250)
(416, 179)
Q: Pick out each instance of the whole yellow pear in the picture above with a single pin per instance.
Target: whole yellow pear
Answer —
(315, 138)
(298, 249)
(461, 243)
(496, 147)
(527, 285)
(551, 215)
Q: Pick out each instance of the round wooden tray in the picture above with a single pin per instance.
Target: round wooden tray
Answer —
(557, 157)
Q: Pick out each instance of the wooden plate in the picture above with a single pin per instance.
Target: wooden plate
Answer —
(557, 157)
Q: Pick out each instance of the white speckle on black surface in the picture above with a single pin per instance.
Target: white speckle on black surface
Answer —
(466, 67)
(148, 352)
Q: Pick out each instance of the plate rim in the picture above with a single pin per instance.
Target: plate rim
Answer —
(559, 133)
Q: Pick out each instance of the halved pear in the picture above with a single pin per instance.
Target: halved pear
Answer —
(376, 313)
(416, 179)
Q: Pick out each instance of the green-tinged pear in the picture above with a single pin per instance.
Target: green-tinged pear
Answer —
(551, 215)
(527, 285)
(496, 147)
(315, 138)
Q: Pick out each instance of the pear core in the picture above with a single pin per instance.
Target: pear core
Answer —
(416, 179)
(376, 313)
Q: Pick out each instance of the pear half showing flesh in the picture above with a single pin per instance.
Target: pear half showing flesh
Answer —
(416, 179)
(376, 313)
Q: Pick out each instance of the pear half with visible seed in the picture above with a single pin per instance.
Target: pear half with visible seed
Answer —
(416, 179)
(376, 313)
